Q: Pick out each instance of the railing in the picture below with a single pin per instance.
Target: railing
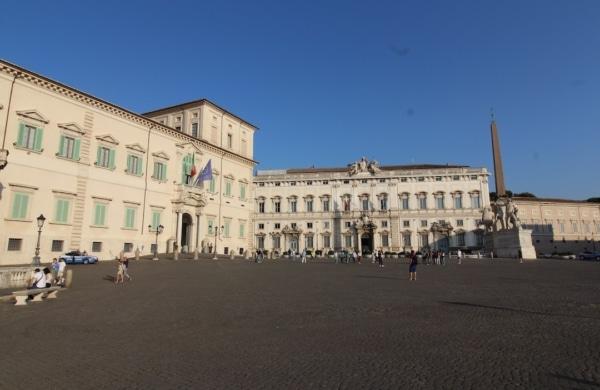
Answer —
(15, 277)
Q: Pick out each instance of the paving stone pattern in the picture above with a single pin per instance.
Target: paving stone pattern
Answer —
(284, 325)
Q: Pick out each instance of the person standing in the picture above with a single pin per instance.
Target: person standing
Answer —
(380, 258)
(54, 268)
(120, 273)
(62, 266)
(459, 255)
(304, 256)
(126, 269)
(373, 257)
(443, 257)
(412, 268)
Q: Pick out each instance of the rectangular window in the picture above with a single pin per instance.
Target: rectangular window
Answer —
(421, 179)
(69, 147)
(242, 229)
(61, 212)
(365, 204)
(294, 225)
(406, 239)
(30, 137)
(384, 240)
(326, 225)
(243, 191)
(20, 205)
(460, 239)
(261, 226)
(276, 242)
(325, 182)
(261, 184)
(326, 205)
(277, 207)
(213, 184)
(228, 186)
(277, 226)
(475, 201)
(575, 227)
(309, 182)
(473, 177)
(459, 222)
(57, 245)
(384, 224)
(457, 201)
(195, 130)
(438, 178)
(160, 171)
(230, 141)
(261, 206)
(100, 214)
(155, 219)
(226, 226)
(405, 203)
(129, 218)
(309, 205)
(406, 224)
(97, 246)
(309, 225)
(403, 180)
(127, 247)
(422, 202)
(326, 241)
(439, 201)
(293, 205)
(346, 181)
(277, 184)
(455, 178)
(424, 224)
(14, 244)
(348, 224)
(309, 242)
(261, 242)
(105, 157)
(348, 241)
(561, 227)
(134, 165)
(211, 223)
(424, 237)
(383, 203)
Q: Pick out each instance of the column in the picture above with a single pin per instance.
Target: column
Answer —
(358, 234)
(177, 231)
(198, 232)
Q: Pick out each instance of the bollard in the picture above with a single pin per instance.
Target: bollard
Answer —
(69, 278)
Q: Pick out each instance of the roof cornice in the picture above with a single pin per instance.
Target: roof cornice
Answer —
(90, 100)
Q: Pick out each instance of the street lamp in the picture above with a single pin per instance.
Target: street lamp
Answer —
(40, 223)
(159, 229)
(216, 235)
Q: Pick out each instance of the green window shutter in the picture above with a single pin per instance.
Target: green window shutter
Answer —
(103, 219)
(155, 174)
(58, 211)
(65, 211)
(39, 134)
(24, 203)
(98, 155)
(129, 217)
(97, 214)
(61, 146)
(76, 148)
(16, 207)
(129, 163)
(111, 159)
(163, 175)
(139, 167)
(155, 219)
(21, 135)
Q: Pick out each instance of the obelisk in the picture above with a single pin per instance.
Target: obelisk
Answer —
(498, 170)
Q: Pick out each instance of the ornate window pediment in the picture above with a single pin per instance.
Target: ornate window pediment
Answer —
(244, 180)
(229, 176)
(189, 146)
(162, 155)
(33, 115)
(108, 139)
(136, 147)
(72, 126)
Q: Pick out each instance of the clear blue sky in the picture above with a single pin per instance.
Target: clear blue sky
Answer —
(329, 81)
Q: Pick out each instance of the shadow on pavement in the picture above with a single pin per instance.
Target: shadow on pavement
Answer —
(518, 310)
(377, 277)
(576, 380)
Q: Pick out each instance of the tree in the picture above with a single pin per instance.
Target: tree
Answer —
(594, 200)
(526, 195)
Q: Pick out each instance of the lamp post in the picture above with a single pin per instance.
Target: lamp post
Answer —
(159, 229)
(216, 235)
(40, 223)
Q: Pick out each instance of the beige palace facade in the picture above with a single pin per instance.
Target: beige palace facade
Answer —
(561, 225)
(105, 177)
(365, 206)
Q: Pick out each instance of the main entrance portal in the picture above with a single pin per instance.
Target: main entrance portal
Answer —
(186, 232)
(366, 242)
(294, 244)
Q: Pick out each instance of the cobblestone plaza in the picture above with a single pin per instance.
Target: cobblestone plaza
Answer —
(235, 324)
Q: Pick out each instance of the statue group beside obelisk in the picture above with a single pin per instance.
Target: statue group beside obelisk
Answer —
(503, 232)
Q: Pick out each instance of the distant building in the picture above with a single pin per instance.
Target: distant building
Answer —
(560, 225)
(101, 174)
(366, 206)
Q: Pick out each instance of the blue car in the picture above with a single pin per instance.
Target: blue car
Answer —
(77, 257)
(590, 256)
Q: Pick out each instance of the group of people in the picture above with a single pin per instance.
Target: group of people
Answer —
(48, 277)
(122, 269)
(435, 258)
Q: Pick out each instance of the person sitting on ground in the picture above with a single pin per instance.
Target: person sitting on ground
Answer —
(48, 277)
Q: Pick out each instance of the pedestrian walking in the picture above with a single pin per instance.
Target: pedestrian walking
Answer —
(126, 269)
(380, 258)
(60, 277)
(355, 256)
(443, 258)
(120, 273)
(304, 256)
(459, 255)
(373, 257)
(412, 268)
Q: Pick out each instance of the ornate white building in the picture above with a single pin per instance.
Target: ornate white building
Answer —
(105, 178)
(365, 206)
